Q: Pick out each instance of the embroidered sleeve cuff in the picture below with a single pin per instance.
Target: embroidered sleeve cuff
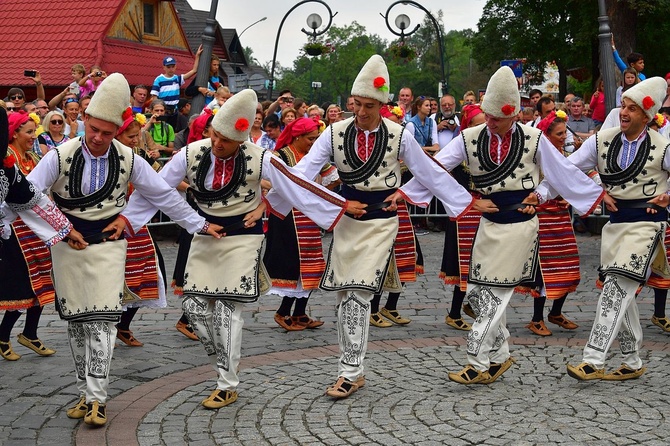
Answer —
(272, 210)
(337, 219)
(595, 204)
(205, 228)
(409, 200)
(466, 210)
(59, 236)
(129, 228)
(540, 198)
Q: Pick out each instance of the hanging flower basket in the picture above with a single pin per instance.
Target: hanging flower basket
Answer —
(401, 50)
(317, 48)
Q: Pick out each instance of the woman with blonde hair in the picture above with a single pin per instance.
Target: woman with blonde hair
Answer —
(54, 134)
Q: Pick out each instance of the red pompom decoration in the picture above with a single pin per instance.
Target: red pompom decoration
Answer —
(127, 114)
(8, 162)
(507, 109)
(379, 82)
(241, 125)
(648, 102)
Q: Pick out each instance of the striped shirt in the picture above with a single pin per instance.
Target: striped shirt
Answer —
(167, 89)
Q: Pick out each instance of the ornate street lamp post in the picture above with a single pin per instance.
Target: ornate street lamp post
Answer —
(402, 22)
(314, 21)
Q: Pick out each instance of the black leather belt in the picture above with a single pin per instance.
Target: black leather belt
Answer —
(231, 227)
(100, 237)
(514, 207)
(638, 205)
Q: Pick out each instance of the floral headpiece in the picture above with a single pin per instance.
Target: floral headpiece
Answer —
(380, 84)
(36, 119)
(551, 117)
(660, 120)
(129, 117)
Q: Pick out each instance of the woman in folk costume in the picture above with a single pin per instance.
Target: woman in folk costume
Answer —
(89, 179)
(367, 150)
(25, 261)
(222, 275)
(559, 259)
(145, 268)
(200, 129)
(293, 254)
(459, 235)
(505, 160)
(408, 256)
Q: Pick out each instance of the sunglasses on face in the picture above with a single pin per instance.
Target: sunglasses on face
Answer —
(70, 101)
(16, 96)
(57, 122)
(11, 108)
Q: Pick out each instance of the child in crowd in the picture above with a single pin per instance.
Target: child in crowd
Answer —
(90, 83)
(168, 85)
(78, 73)
(220, 97)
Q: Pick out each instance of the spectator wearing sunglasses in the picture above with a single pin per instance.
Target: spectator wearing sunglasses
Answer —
(285, 100)
(9, 106)
(54, 134)
(18, 96)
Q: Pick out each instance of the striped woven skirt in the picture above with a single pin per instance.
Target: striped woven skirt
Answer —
(457, 249)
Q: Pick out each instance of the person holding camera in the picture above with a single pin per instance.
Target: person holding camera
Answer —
(90, 83)
(160, 131)
(446, 120)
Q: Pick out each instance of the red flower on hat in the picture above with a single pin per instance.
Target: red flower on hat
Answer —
(507, 109)
(648, 102)
(127, 114)
(379, 82)
(8, 162)
(241, 124)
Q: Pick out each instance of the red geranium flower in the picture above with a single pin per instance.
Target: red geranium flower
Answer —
(241, 124)
(9, 161)
(379, 82)
(127, 114)
(507, 109)
(648, 102)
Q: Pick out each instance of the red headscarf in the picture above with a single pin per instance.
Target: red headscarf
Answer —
(16, 120)
(300, 126)
(469, 112)
(198, 126)
(128, 117)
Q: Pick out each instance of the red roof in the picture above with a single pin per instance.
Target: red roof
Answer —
(50, 37)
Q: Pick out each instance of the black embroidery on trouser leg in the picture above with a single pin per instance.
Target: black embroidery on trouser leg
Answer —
(75, 332)
(353, 329)
(610, 310)
(222, 322)
(485, 304)
(626, 338)
(196, 311)
(99, 358)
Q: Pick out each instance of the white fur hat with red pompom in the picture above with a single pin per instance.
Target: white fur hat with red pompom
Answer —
(502, 98)
(110, 100)
(373, 80)
(648, 94)
(234, 118)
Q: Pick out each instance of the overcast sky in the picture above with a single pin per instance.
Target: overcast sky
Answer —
(458, 14)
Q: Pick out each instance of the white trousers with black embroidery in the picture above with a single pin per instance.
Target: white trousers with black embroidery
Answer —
(353, 325)
(92, 346)
(616, 314)
(218, 324)
(487, 340)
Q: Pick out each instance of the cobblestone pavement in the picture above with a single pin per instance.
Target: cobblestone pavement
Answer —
(156, 390)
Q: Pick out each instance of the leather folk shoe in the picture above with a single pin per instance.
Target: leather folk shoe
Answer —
(7, 352)
(539, 328)
(186, 330)
(96, 415)
(287, 323)
(35, 345)
(394, 316)
(79, 410)
(377, 320)
(562, 321)
(624, 372)
(306, 321)
(497, 369)
(220, 398)
(470, 375)
(458, 324)
(662, 322)
(585, 372)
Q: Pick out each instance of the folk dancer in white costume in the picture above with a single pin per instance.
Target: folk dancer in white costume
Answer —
(225, 173)
(504, 159)
(89, 179)
(367, 149)
(633, 164)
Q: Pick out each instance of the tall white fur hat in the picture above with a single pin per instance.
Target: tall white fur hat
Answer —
(648, 94)
(373, 80)
(234, 118)
(110, 99)
(502, 98)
